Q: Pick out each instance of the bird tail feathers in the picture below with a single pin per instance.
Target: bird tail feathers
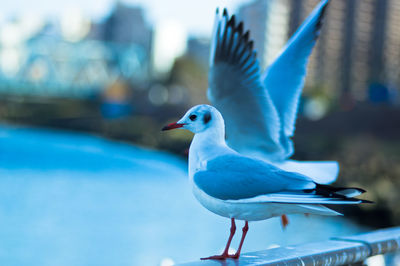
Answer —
(319, 209)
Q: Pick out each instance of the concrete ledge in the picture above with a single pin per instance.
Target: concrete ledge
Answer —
(336, 251)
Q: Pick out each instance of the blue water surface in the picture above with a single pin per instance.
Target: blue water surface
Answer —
(76, 199)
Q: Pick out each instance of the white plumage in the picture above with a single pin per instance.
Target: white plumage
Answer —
(240, 187)
(248, 176)
(235, 186)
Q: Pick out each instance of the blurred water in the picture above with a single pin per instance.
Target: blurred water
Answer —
(74, 199)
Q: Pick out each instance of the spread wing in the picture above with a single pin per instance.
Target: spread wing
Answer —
(234, 177)
(284, 78)
(236, 89)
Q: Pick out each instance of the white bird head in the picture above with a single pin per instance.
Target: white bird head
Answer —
(198, 119)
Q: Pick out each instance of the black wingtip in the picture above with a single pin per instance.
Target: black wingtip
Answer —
(360, 190)
(233, 44)
(251, 44)
(321, 17)
(246, 36)
(231, 22)
(341, 192)
(367, 201)
(240, 28)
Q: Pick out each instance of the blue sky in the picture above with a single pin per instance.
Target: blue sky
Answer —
(196, 16)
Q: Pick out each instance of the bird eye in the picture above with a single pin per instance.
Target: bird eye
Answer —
(193, 117)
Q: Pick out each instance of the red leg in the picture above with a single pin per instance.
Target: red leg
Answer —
(225, 254)
(284, 220)
(245, 229)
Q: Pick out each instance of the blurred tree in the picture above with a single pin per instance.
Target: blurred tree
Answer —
(365, 141)
(192, 75)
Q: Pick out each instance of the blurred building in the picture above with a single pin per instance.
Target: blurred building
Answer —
(199, 49)
(47, 65)
(73, 57)
(126, 24)
(268, 21)
(359, 45)
(169, 43)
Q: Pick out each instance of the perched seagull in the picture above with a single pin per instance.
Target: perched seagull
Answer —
(260, 109)
(235, 186)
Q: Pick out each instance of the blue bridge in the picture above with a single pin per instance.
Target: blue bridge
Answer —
(48, 66)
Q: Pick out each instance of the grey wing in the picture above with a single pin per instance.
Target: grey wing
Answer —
(284, 78)
(234, 177)
(236, 90)
(240, 179)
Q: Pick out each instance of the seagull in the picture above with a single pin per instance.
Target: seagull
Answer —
(236, 186)
(260, 109)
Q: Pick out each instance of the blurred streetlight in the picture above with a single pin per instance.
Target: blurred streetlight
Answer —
(74, 25)
(169, 43)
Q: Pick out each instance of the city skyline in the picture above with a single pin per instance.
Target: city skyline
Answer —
(356, 56)
(196, 17)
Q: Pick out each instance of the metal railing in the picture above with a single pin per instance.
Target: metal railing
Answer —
(336, 251)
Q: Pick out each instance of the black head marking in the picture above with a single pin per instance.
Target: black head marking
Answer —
(206, 118)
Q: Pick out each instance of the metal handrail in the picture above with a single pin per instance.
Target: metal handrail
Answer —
(336, 251)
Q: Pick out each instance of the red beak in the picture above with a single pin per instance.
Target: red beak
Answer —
(172, 126)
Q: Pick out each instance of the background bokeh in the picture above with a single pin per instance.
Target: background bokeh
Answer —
(121, 70)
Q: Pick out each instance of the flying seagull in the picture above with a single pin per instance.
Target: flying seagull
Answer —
(260, 109)
(235, 186)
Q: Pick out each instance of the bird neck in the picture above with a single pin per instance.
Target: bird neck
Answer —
(205, 145)
(211, 136)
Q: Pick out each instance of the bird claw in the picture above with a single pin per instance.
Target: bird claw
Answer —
(221, 257)
(217, 257)
(235, 256)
